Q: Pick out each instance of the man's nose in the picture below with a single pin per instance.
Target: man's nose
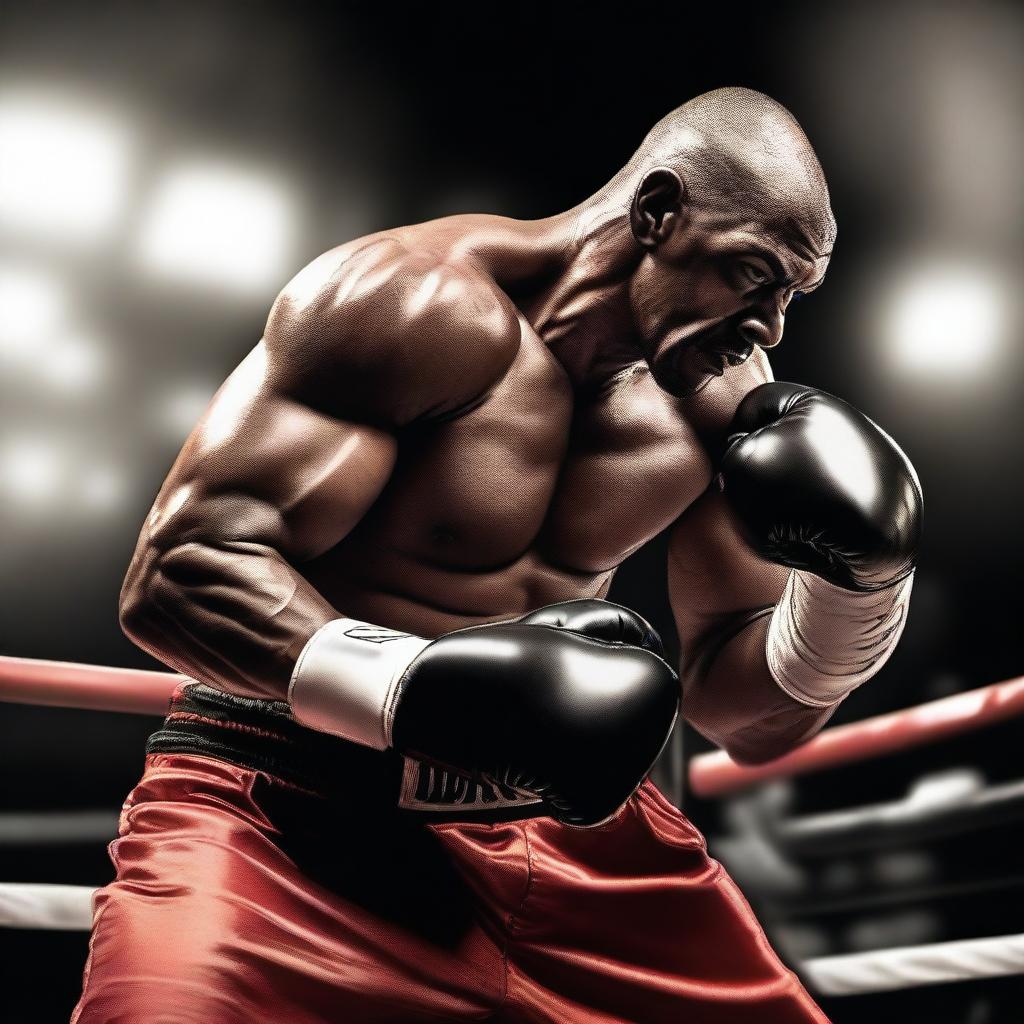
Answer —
(763, 330)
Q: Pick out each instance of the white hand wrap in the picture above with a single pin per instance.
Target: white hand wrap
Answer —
(824, 641)
(346, 677)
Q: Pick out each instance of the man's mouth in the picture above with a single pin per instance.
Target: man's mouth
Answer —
(715, 362)
(734, 358)
(729, 352)
(716, 358)
(708, 352)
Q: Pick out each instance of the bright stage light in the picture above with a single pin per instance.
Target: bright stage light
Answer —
(31, 308)
(63, 169)
(102, 489)
(30, 471)
(219, 227)
(72, 365)
(946, 320)
(181, 410)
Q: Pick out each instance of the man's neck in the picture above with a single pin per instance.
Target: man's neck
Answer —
(584, 316)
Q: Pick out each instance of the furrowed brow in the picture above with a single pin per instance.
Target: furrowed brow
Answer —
(812, 287)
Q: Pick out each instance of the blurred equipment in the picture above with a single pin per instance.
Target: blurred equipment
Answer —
(903, 892)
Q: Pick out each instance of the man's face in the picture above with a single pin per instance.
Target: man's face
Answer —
(711, 292)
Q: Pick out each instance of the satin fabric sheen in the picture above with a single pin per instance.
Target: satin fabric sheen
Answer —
(239, 897)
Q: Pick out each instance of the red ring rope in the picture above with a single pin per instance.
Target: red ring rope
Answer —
(96, 687)
(91, 687)
(716, 774)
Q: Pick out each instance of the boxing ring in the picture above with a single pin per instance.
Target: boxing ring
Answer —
(956, 805)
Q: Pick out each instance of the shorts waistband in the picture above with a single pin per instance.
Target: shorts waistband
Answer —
(262, 735)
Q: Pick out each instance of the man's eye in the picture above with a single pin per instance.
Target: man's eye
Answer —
(756, 274)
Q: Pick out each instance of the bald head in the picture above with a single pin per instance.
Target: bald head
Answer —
(741, 153)
(728, 221)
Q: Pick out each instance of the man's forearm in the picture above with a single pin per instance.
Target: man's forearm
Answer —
(233, 614)
(731, 697)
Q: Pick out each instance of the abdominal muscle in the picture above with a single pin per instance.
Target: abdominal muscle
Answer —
(389, 588)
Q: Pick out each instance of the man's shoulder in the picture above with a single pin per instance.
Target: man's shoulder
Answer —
(387, 313)
(384, 288)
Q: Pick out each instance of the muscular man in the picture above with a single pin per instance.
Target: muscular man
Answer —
(383, 554)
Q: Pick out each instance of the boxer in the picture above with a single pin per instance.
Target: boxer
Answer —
(409, 782)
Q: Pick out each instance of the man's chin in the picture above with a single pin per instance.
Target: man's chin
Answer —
(668, 379)
(696, 389)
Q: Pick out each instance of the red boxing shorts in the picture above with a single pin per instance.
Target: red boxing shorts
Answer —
(268, 874)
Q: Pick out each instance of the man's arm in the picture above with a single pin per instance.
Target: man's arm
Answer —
(722, 597)
(294, 450)
(791, 579)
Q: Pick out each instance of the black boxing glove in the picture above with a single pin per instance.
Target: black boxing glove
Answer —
(562, 703)
(602, 620)
(816, 485)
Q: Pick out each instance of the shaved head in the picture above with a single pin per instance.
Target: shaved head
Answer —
(728, 222)
(741, 153)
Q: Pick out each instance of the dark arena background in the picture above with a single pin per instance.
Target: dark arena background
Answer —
(166, 167)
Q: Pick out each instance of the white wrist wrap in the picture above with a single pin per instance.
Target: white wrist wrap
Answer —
(346, 677)
(824, 641)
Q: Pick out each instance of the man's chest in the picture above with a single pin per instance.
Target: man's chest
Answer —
(579, 483)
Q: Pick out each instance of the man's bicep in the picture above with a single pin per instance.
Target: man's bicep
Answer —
(715, 580)
(721, 595)
(262, 466)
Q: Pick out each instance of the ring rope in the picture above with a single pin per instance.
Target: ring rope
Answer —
(51, 828)
(56, 907)
(716, 774)
(910, 820)
(138, 691)
(70, 908)
(65, 684)
(817, 905)
(883, 970)
(92, 687)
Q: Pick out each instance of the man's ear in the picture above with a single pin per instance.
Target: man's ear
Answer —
(657, 206)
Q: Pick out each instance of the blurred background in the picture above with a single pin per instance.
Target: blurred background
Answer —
(166, 167)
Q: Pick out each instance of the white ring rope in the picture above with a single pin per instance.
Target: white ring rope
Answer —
(46, 828)
(69, 907)
(63, 907)
(884, 970)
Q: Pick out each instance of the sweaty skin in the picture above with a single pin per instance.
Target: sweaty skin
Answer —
(460, 421)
